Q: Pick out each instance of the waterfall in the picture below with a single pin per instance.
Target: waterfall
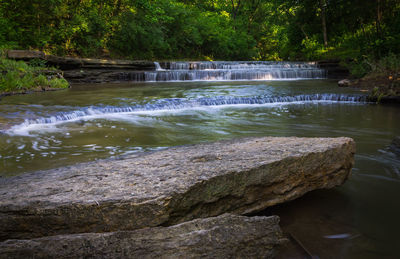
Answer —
(170, 104)
(227, 71)
(158, 67)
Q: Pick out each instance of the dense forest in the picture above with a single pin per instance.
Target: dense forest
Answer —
(204, 29)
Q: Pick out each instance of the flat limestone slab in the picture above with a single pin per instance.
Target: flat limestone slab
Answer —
(171, 186)
(225, 236)
(25, 54)
(66, 63)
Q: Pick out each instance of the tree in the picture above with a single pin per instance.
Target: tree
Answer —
(322, 6)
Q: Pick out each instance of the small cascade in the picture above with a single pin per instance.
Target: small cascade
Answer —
(228, 71)
(239, 65)
(171, 104)
(158, 67)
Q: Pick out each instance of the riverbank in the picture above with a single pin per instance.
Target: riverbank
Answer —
(19, 77)
(86, 70)
(379, 77)
(381, 88)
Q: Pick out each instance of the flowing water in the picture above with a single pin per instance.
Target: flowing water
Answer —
(88, 122)
(227, 71)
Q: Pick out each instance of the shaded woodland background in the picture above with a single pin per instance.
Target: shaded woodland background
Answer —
(204, 29)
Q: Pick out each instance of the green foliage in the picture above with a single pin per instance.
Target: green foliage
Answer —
(311, 48)
(203, 29)
(10, 81)
(387, 65)
(359, 68)
(58, 83)
(176, 30)
(41, 80)
(17, 66)
(17, 76)
(37, 62)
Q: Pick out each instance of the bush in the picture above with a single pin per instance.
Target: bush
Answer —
(359, 68)
(37, 62)
(389, 63)
(41, 80)
(312, 49)
(366, 65)
(16, 76)
(58, 83)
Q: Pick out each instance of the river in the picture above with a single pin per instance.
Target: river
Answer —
(87, 122)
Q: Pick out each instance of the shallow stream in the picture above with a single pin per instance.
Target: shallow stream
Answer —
(88, 122)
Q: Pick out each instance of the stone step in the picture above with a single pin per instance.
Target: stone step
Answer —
(226, 236)
(67, 63)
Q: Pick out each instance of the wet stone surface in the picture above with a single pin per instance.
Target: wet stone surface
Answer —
(225, 236)
(171, 186)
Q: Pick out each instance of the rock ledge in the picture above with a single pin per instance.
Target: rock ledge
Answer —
(225, 236)
(171, 186)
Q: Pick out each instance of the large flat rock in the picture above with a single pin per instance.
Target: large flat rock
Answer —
(66, 63)
(171, 186)
(25, 54)
(104, 75)
(226, 236)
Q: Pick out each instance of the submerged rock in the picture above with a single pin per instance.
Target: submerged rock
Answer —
(395, 145)
(344, 83)
(225, 236)
(396, 142)
(171, 186)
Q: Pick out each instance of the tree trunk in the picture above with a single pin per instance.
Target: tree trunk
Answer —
(235, 9)
(322, 5)
(378, 18)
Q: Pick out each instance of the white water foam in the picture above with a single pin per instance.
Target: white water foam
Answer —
(227, 71)
(158, 67)
(171, 106)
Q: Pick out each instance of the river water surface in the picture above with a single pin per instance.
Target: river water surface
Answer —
(87, 122)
